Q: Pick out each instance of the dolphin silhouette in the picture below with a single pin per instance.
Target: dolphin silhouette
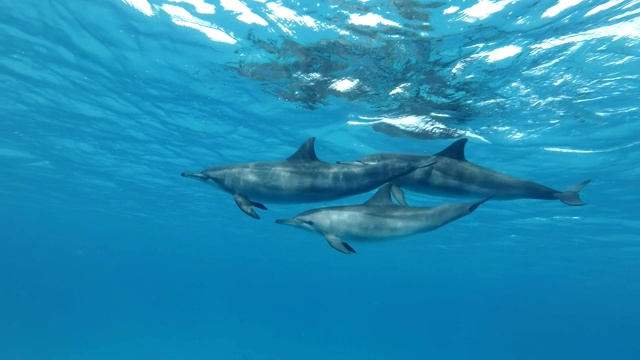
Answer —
(376, 219)
(453, 176)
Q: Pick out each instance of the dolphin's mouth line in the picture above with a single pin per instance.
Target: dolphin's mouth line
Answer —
(356, 162)
(293, 222)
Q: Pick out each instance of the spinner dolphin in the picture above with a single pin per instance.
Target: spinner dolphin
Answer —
(453, 175)
(376, 219)
(301, 178)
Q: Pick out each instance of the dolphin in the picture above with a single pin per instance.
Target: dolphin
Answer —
(301, 178)
(377, 219)
(453, 176)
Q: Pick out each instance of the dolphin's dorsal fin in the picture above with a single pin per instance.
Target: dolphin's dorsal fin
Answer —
(455, 151)
(381, 197)
(306, 152)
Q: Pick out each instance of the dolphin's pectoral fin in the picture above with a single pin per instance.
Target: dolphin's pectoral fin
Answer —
(398, 194)
(338, 244)
(353, 251)
(571, 196)
(245, 205)
(259, 205)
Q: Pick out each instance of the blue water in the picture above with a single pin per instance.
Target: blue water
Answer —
(107, 253)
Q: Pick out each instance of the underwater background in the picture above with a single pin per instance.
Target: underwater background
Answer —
(106, 252)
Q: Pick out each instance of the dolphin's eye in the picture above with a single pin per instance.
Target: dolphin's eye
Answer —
(308, 222)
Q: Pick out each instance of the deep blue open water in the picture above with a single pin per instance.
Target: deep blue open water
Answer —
(106, 252)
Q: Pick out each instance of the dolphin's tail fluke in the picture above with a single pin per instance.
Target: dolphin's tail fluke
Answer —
(571, 196)
(398, 193)
(425, 164)
(476, 204)
(198, 176)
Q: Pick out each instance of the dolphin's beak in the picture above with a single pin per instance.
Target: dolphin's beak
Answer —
(292, 222)
(198, 176)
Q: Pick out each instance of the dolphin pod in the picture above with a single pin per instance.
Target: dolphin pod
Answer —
(303, 178)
